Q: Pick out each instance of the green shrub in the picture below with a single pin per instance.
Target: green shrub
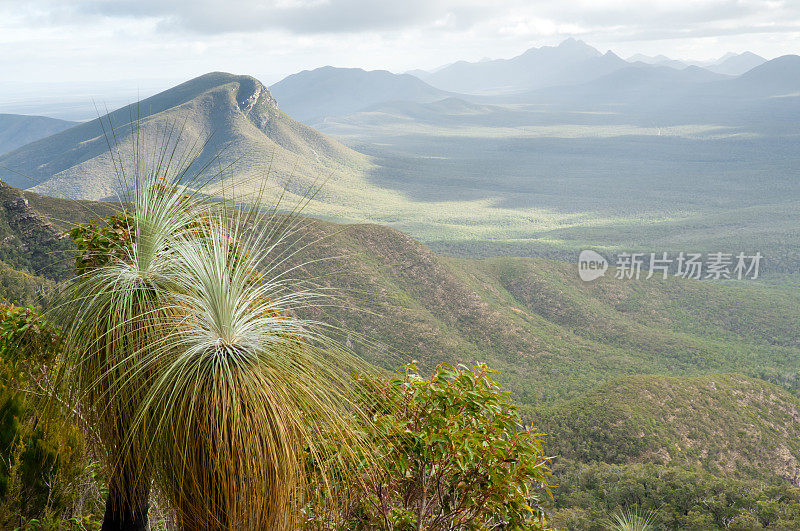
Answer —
(42, 455)
(455, 456)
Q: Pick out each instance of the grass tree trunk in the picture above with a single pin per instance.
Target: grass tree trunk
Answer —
(127, 505)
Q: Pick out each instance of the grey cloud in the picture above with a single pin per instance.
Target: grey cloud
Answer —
(640, 13)
(700, 32)
(610, 19)
(297, 16)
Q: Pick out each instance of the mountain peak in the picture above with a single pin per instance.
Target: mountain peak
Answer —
(249, 90)
(236, 110)
(779, 63)
(571, 42)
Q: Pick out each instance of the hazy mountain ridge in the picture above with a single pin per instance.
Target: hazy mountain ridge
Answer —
(730, 64)
(570, 62)
(16, 130)
(309, 96)
(572, 71)
(736, 64)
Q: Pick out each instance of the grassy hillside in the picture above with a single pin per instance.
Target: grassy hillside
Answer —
(16, 130)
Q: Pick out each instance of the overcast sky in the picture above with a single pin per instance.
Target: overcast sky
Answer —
(155, 42)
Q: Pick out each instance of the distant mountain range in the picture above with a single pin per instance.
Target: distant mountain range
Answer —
(313, 94)
(730, 63)
(664, 93)
(17, 130)
(631, 84)
(735, 65)
(573, 68)
(776, 78)
(570, 62)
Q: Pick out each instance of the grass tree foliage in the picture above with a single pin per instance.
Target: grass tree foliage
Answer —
(247, 390)
(186, 356)
(119, 310)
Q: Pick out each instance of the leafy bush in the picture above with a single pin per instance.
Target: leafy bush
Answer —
(456, 456)
(99, 240)
(43, 460)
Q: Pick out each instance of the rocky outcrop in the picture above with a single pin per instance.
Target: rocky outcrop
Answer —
(252, 93)
(248, 103)
(255, 102)
(24, 221)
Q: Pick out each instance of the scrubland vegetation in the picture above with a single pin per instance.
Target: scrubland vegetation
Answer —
(183, 386)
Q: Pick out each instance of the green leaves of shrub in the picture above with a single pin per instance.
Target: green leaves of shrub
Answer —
(456, 456)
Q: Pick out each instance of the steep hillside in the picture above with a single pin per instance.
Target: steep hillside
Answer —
(17, 130)
(778, 77)
(31, 232)
(310, 96)
(553, 336)
(237, 113)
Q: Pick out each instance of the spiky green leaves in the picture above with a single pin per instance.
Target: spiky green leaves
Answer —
(192, 365)
(247, 392)
(119, 309)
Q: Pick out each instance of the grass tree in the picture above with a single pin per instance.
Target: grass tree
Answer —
(189, 360)
(119, 308)
(249, 388)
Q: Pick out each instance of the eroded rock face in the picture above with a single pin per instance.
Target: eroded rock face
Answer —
(28, 242)
(252, 93)
(248, 103)
(25, 222)
(254, 101)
